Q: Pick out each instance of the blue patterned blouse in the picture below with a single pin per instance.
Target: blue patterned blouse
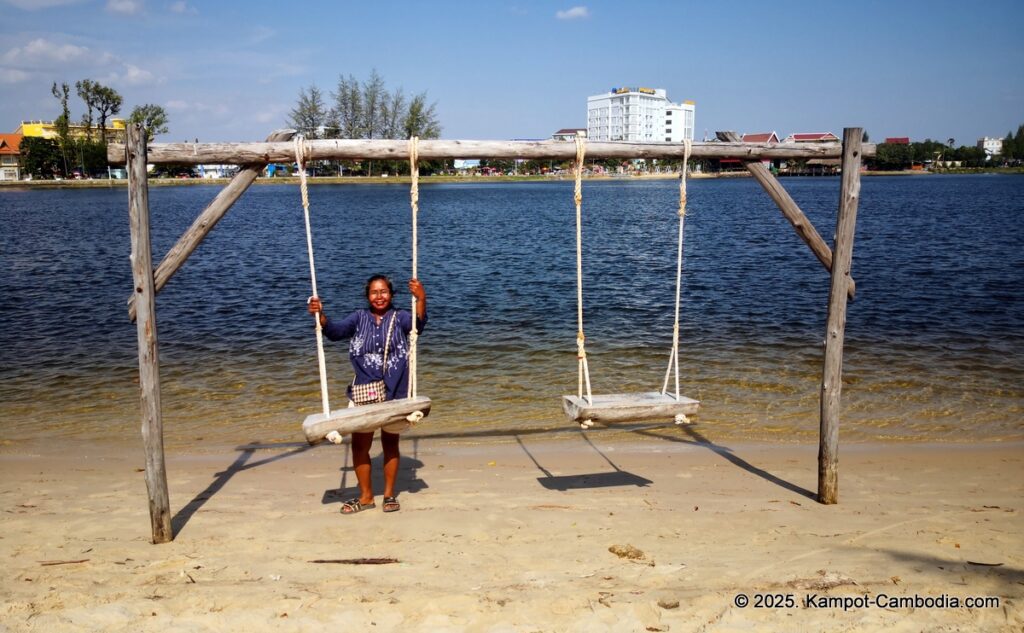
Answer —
(366, 347)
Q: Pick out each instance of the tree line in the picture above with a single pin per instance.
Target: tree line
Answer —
(365, 110)
(84, 154)
(896, 156)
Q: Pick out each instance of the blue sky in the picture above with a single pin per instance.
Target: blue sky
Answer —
(231, 71)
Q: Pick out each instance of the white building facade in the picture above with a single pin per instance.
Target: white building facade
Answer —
(992, 146)
(640, 115)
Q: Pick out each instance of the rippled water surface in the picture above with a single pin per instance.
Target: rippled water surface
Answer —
(935, 338)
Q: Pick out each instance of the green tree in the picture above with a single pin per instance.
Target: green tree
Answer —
(972, 156)
(374, 100)
(893, 156)
(1017, 146)
(40, 157)
(1007, 152)
(392, 114)
(63, 121)
(152, 117)
(108, 104)
(421, 118)
(348, 108)
(310, 115)
(86, 89)
(92, 156)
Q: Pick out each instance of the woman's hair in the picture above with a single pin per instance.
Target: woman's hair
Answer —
(378, 277)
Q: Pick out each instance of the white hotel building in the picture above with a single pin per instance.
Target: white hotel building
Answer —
(643, 115)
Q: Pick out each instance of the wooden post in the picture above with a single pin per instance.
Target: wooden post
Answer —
(832, 373)
(149, 357)
(208, 219)
(803, 226)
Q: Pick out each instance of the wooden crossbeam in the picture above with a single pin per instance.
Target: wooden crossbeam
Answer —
(380, 149)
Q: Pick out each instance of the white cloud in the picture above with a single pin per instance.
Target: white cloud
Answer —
(42, 50)
(127, 7)
(575, 13)
(182, 7)
(43, 56)
(177, 105)
(134, 76)
(12, 75)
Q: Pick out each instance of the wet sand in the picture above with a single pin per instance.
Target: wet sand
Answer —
(515, 536)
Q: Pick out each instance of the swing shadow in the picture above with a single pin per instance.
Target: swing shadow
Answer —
(185, 514)
(697, 439)
(564, 483)
(407, 481)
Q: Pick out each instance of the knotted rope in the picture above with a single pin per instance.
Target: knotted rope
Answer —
(414, 200)
(301, 155)
(673, 361)
(581, 352)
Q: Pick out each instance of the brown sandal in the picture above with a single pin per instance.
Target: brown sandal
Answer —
(353, 506)
(391, 504)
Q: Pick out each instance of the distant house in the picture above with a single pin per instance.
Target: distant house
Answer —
(898, 140)
(764, 137)
(761, 137)
(569, 133)
(10, 155)
(812, 137)
(992, 146)
(814, 166)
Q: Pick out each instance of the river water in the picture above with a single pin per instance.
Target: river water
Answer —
(934, 339)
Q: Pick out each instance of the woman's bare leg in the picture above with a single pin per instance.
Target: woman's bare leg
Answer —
(391, 458)
(361, 463)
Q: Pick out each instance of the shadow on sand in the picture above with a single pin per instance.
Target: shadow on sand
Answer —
(241, 463)
(697, 439)
(608, 479)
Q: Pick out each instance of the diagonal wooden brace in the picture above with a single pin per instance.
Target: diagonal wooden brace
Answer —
(801, 224)
(206, 220)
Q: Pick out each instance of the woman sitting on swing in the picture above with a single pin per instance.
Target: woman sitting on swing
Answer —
(379, 351)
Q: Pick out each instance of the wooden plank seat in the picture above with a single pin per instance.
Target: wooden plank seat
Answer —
(628, 407)
(390, 415)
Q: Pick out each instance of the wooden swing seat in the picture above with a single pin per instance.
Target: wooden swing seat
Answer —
(628, 407)
(390, 415)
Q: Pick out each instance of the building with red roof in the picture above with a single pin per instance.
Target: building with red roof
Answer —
(898, 140)
(10, 156)
(761, 137)
(812, 137)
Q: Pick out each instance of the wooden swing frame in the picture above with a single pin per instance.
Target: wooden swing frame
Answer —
(254, 157)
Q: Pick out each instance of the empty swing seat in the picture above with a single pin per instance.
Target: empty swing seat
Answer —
(628, 407)
(392, 416)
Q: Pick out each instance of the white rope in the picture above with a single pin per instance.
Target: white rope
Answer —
(301, 152)
(581, 352)
(414, 200)
(673, 360)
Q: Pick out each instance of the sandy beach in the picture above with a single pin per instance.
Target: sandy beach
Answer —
(653, 530)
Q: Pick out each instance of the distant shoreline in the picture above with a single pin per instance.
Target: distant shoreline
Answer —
(385, 180)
